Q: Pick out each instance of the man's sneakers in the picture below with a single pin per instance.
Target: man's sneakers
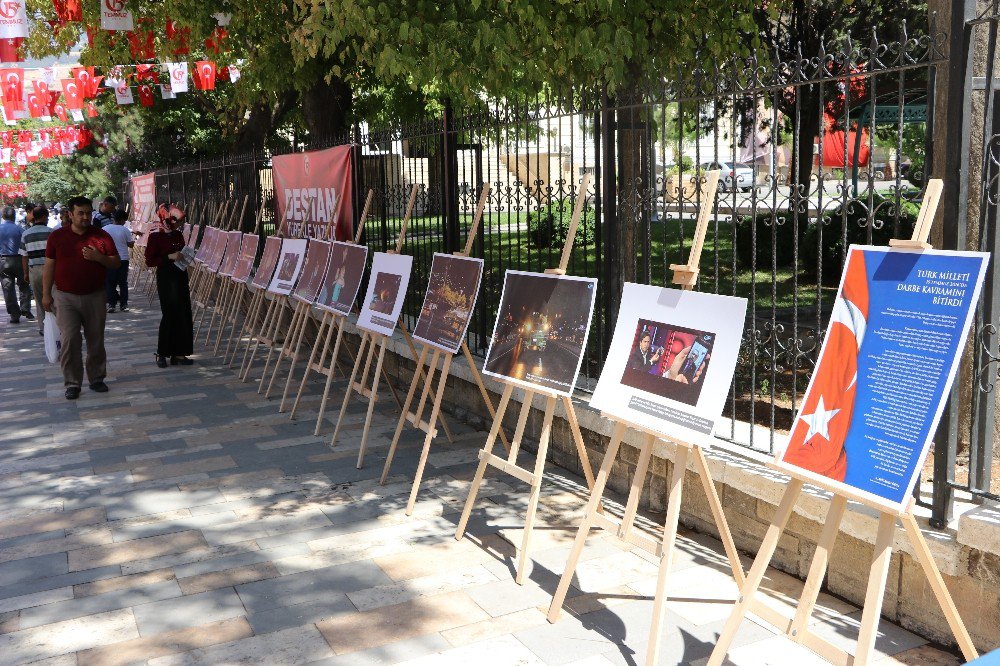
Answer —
(15, 320)
(28, 316)
(99, 387)
(73, 392)
(111, 309)
(123, 308)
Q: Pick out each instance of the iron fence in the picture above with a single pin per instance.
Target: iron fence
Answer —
(816, 153)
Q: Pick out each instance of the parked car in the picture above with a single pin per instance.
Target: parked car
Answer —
(735, 175)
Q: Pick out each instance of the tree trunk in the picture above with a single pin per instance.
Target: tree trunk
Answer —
(263, 119)
(803, 142)
(326, 109)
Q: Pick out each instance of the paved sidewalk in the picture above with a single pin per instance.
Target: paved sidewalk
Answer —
(179, 519)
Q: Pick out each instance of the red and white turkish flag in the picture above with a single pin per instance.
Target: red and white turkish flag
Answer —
(73, 94)
(36, 108)
(60, 112)
(10, 50)
(817, 440)
(13, 88)
(42, 88)
(68, 10)
(204, 75)
(145, 94)
(91, 109)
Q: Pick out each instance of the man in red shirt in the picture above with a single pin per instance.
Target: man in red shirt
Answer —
(77, 258)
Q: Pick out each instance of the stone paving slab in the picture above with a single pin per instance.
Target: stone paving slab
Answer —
(179, 519)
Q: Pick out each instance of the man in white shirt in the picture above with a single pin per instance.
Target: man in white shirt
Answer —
(116, 284)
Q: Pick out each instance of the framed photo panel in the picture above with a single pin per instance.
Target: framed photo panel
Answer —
(268, 262)
(449, 301)
(317, 256)
(293, 254)
(387, 285)
(541, 330)
(672, 360)
(343, 277)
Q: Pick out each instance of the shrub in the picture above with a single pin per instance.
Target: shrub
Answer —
(548, 226)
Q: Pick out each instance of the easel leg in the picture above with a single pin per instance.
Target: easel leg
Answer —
(581, 448)
(477, 481)
(757, 572)
(817, 569)
(229, 297)
(876, 589)
(413, 355)
(536, 487)
(279, 315)
(482, 391)
(719, 515)
(290, 347)
(926, 560)
(365, 339)
(666, 553)
(638, 481)
(256, 333)
(402, 417)
(372, 398)
(303, 321)
(237, 335)
(329, 376)
(431, 430)
(587, 523)
(322, 334)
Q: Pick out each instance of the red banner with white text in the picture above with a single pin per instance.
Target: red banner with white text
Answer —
(315, 188)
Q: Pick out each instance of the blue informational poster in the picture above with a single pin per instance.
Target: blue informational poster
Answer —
(890, 355)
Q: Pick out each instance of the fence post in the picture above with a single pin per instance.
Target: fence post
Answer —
(955, 207)
(449, 190)
(611, 266)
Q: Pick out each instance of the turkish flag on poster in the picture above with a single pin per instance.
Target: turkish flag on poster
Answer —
(60, 112)
(178, 76)
(91, 110)
(204, 75)
(817, 440)
(13, 88)
(10, 50)
(145, 94)
(13, 19)
(114, 16)
(72, 93)
(316, 185)
(68, 10)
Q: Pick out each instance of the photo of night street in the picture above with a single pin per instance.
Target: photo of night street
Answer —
(541, 329)
(451, 295)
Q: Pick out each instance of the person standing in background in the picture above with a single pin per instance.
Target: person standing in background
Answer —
(105, 214)
(12, 280)
(77, 259)
(33, 258)
(176, 339)
(116, 284)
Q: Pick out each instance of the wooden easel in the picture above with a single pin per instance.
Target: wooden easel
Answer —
(257, 317)
(220, 282)
(797, 628)
(509, 465)
(416, 418)
(299, 336)
(685, 276)
(233, 298)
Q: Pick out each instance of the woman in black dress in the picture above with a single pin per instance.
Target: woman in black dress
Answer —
(176, 341)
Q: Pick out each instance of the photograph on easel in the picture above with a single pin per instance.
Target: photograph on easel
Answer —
(387, 285)
(317, 256)
(343, 277)
(232, 254)
(450, 299)
(888, 360)
(268, 262)
(671, 361)
(293, 253)
(541, 330)
(248, 252)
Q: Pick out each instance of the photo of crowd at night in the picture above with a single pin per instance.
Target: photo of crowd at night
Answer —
(385, 293)
(451, 296)
(541, 329)
(668, 361)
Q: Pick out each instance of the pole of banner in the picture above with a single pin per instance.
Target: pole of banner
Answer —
(322, 326)
(509, 464)
(797, 629)
(371, 340)
(416, 417)
(298, 313)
